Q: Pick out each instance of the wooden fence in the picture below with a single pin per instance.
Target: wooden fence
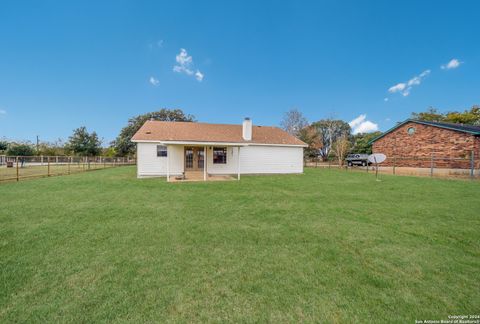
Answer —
(16, 168)
(434, 165)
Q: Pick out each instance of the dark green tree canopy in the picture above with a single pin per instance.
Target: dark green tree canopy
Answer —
(360, 142)
(3, 145)
(84, 143)
(20, 149)
(123, 144)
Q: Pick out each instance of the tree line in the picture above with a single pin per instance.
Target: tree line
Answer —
(85, 143)
(467, 117)
(326, 138)
(332, 138)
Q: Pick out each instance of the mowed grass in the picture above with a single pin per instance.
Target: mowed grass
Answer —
(329, 246)
(35, 171)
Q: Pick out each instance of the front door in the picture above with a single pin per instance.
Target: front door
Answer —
(194, 158)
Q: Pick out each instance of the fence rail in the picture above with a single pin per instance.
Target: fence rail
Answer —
(16, 168)
(466, 166)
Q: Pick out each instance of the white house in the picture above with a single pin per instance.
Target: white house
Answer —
(187, 149)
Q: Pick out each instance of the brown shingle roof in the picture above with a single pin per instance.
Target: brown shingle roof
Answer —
(202, 132)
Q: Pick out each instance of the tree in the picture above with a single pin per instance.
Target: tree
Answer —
(3, 145)
(329, 130)
(361, 142)
(341, 147)
(51, 148)
(432, 114)
(109, 152)
(84, 143)
(293, 122)
(123, 144)
(20, 149)
(310, 137)
(468, 117)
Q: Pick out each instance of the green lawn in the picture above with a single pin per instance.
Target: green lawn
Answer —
(328, 245)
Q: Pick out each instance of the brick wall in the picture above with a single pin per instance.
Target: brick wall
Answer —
(451, 149)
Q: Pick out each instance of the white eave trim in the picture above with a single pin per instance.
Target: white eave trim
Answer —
(216, 143)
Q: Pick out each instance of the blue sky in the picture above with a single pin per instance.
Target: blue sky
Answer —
(65, 64)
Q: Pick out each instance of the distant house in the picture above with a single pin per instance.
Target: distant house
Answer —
(192, 149)
(414, 142)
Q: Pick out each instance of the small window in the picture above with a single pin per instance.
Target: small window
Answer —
(161, 150)
(411, 130)
(219, 155)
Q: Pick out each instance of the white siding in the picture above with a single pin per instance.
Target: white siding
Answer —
(256, 159)
(229, 168)
(151, 165)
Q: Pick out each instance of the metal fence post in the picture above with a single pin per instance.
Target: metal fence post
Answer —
(18, 178)
(472, 164)
(394, 163)
(69, 161)
(48, 166)
(431, 166)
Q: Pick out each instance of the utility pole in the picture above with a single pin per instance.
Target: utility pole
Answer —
(37, 144)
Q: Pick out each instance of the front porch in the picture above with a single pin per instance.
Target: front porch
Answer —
(196, 162)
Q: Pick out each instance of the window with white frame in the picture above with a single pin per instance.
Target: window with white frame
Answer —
(219, 155)
(161, 150)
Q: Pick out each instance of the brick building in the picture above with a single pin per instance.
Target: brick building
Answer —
(413, 143)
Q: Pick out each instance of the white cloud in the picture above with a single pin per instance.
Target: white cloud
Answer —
(453, 64)
(366, 127)
(397, 87)
(361, 125)
(199, 76)
(405, 87)
(153, 81)
(357, 121)
(185, 65)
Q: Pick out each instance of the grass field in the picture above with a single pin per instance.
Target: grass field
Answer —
(34, 171)
(328, 245)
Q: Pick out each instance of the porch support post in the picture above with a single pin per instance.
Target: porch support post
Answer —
(238, 162)
(168, 165)
(205, 163)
